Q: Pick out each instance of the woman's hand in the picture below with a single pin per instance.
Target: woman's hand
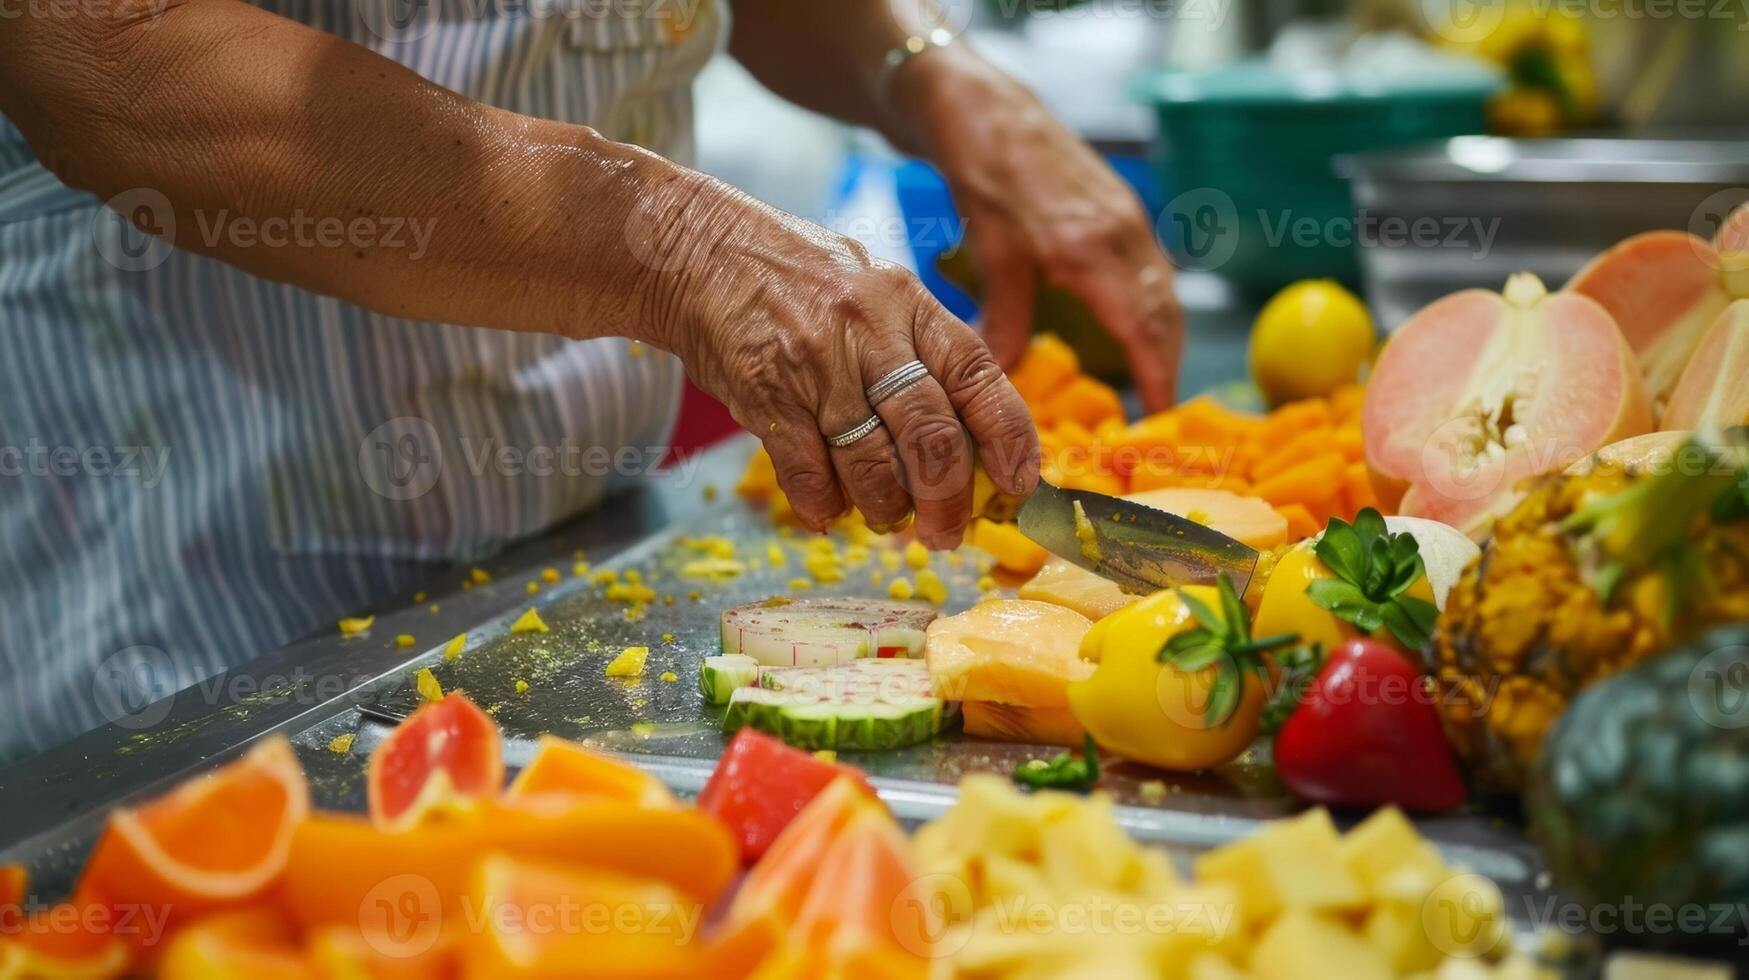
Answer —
(789, 324)
(1041, 206)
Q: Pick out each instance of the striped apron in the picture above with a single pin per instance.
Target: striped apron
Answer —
(198, 466)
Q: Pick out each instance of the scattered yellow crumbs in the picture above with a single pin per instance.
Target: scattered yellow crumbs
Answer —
(1152, 792)
(454, 647)
(890, 560)
(668, 599)
(694, 595)
(821, 546)
(434, 607)
(629, 591)
(1199, 517)
(856, 554)
(861, 534)
(466, 584)
(826, 755)
(606, 576)
(667, 637)
(916, 555)
(529, 622)
(418, 597)
(1085, 533)
(709, 492)
(521, 686)
(930, 586)
(634, 349)
(669, 677)
(955, 559)
(874, 578)
(800, 584)
(900, 589)
(425, 682)
(715, 546)
(342, 744)
(354, 625)
(577, 555)
(630, 663)
(580, 569)
(986, 584)
(718, 568)
(478, 576)
(635, 613)
(634, 576)
(824, 567)
(549, 575)
(404, 640)
(774, 554)
(532, 588)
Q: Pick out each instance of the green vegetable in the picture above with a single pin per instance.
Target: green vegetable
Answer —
(1373, 569)
(1224, 641)
(1063, 771)
(719, 677)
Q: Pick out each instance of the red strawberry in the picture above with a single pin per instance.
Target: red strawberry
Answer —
(1366, 734)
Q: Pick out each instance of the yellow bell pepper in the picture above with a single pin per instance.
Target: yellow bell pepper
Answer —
(1285, 607)
(1153, 712)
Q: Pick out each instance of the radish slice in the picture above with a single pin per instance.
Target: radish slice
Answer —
(824, 632)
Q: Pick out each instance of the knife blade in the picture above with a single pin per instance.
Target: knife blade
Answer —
(1143, 549)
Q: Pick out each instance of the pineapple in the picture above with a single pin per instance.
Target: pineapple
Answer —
(1590, 574)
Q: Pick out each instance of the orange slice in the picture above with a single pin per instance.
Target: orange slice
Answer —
(220, 839)
(568, 770)
(540, 919)
(444, 756)
(62, 942)
(254, 942)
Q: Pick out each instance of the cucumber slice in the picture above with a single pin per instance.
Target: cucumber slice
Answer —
(824, 632)
(718, 677)
(863, 725)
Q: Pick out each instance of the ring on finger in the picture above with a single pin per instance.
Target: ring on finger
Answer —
(895, 381)
(851, 435)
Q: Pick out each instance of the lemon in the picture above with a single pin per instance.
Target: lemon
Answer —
(1311, 338)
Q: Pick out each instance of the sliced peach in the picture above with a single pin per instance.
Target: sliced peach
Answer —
(1480, 390)
(1665, 289)
(1714, 389)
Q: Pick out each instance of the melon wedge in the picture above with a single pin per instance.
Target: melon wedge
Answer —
(1481, 390)
(1016, 723)
(1650, 453)
(1713, 391)
(1665, 290)
(1247, 519)
(1012, 651)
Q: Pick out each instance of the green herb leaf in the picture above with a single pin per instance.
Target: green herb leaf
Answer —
(1410, 620)
(1298, 667)
(1340, 597)
(1196, 658)
(1224, 693)
(1204, 614)
(1063, 771)
(1237, 616)
(1340, 549)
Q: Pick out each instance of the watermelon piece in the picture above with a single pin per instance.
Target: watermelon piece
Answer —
(760, 785)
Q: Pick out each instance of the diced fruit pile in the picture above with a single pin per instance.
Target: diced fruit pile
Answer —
(587, 867)
(1048, 885)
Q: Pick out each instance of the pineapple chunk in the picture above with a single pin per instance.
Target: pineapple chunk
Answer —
(1006, 878)
(1465, 916)
(1209, 966)
(1390, 860)
(1205, 921)
(1082, 846)
(1289, 864)
(1395, 931)
(1304, 944)
(992, 818)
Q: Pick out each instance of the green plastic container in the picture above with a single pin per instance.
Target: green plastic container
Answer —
(1248, 160)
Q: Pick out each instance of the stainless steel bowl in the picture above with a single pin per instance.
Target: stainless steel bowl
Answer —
(1475, 209)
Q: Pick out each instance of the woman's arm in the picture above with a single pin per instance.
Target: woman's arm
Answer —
(1040, 206)
(232, 112)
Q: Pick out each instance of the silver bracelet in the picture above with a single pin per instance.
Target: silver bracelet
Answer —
(913, 46)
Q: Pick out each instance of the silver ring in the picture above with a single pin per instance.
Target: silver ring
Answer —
(895, 381)
(863, 428)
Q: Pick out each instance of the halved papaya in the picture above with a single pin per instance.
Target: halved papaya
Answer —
(1665, 290)
(1013, 651)
(1019, 723)
(1480, 390)
(1713, 391)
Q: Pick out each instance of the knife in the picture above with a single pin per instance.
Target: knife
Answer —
(1143, 549)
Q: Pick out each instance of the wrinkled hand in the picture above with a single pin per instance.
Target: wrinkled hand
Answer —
(788, 324)
(1041, 206)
